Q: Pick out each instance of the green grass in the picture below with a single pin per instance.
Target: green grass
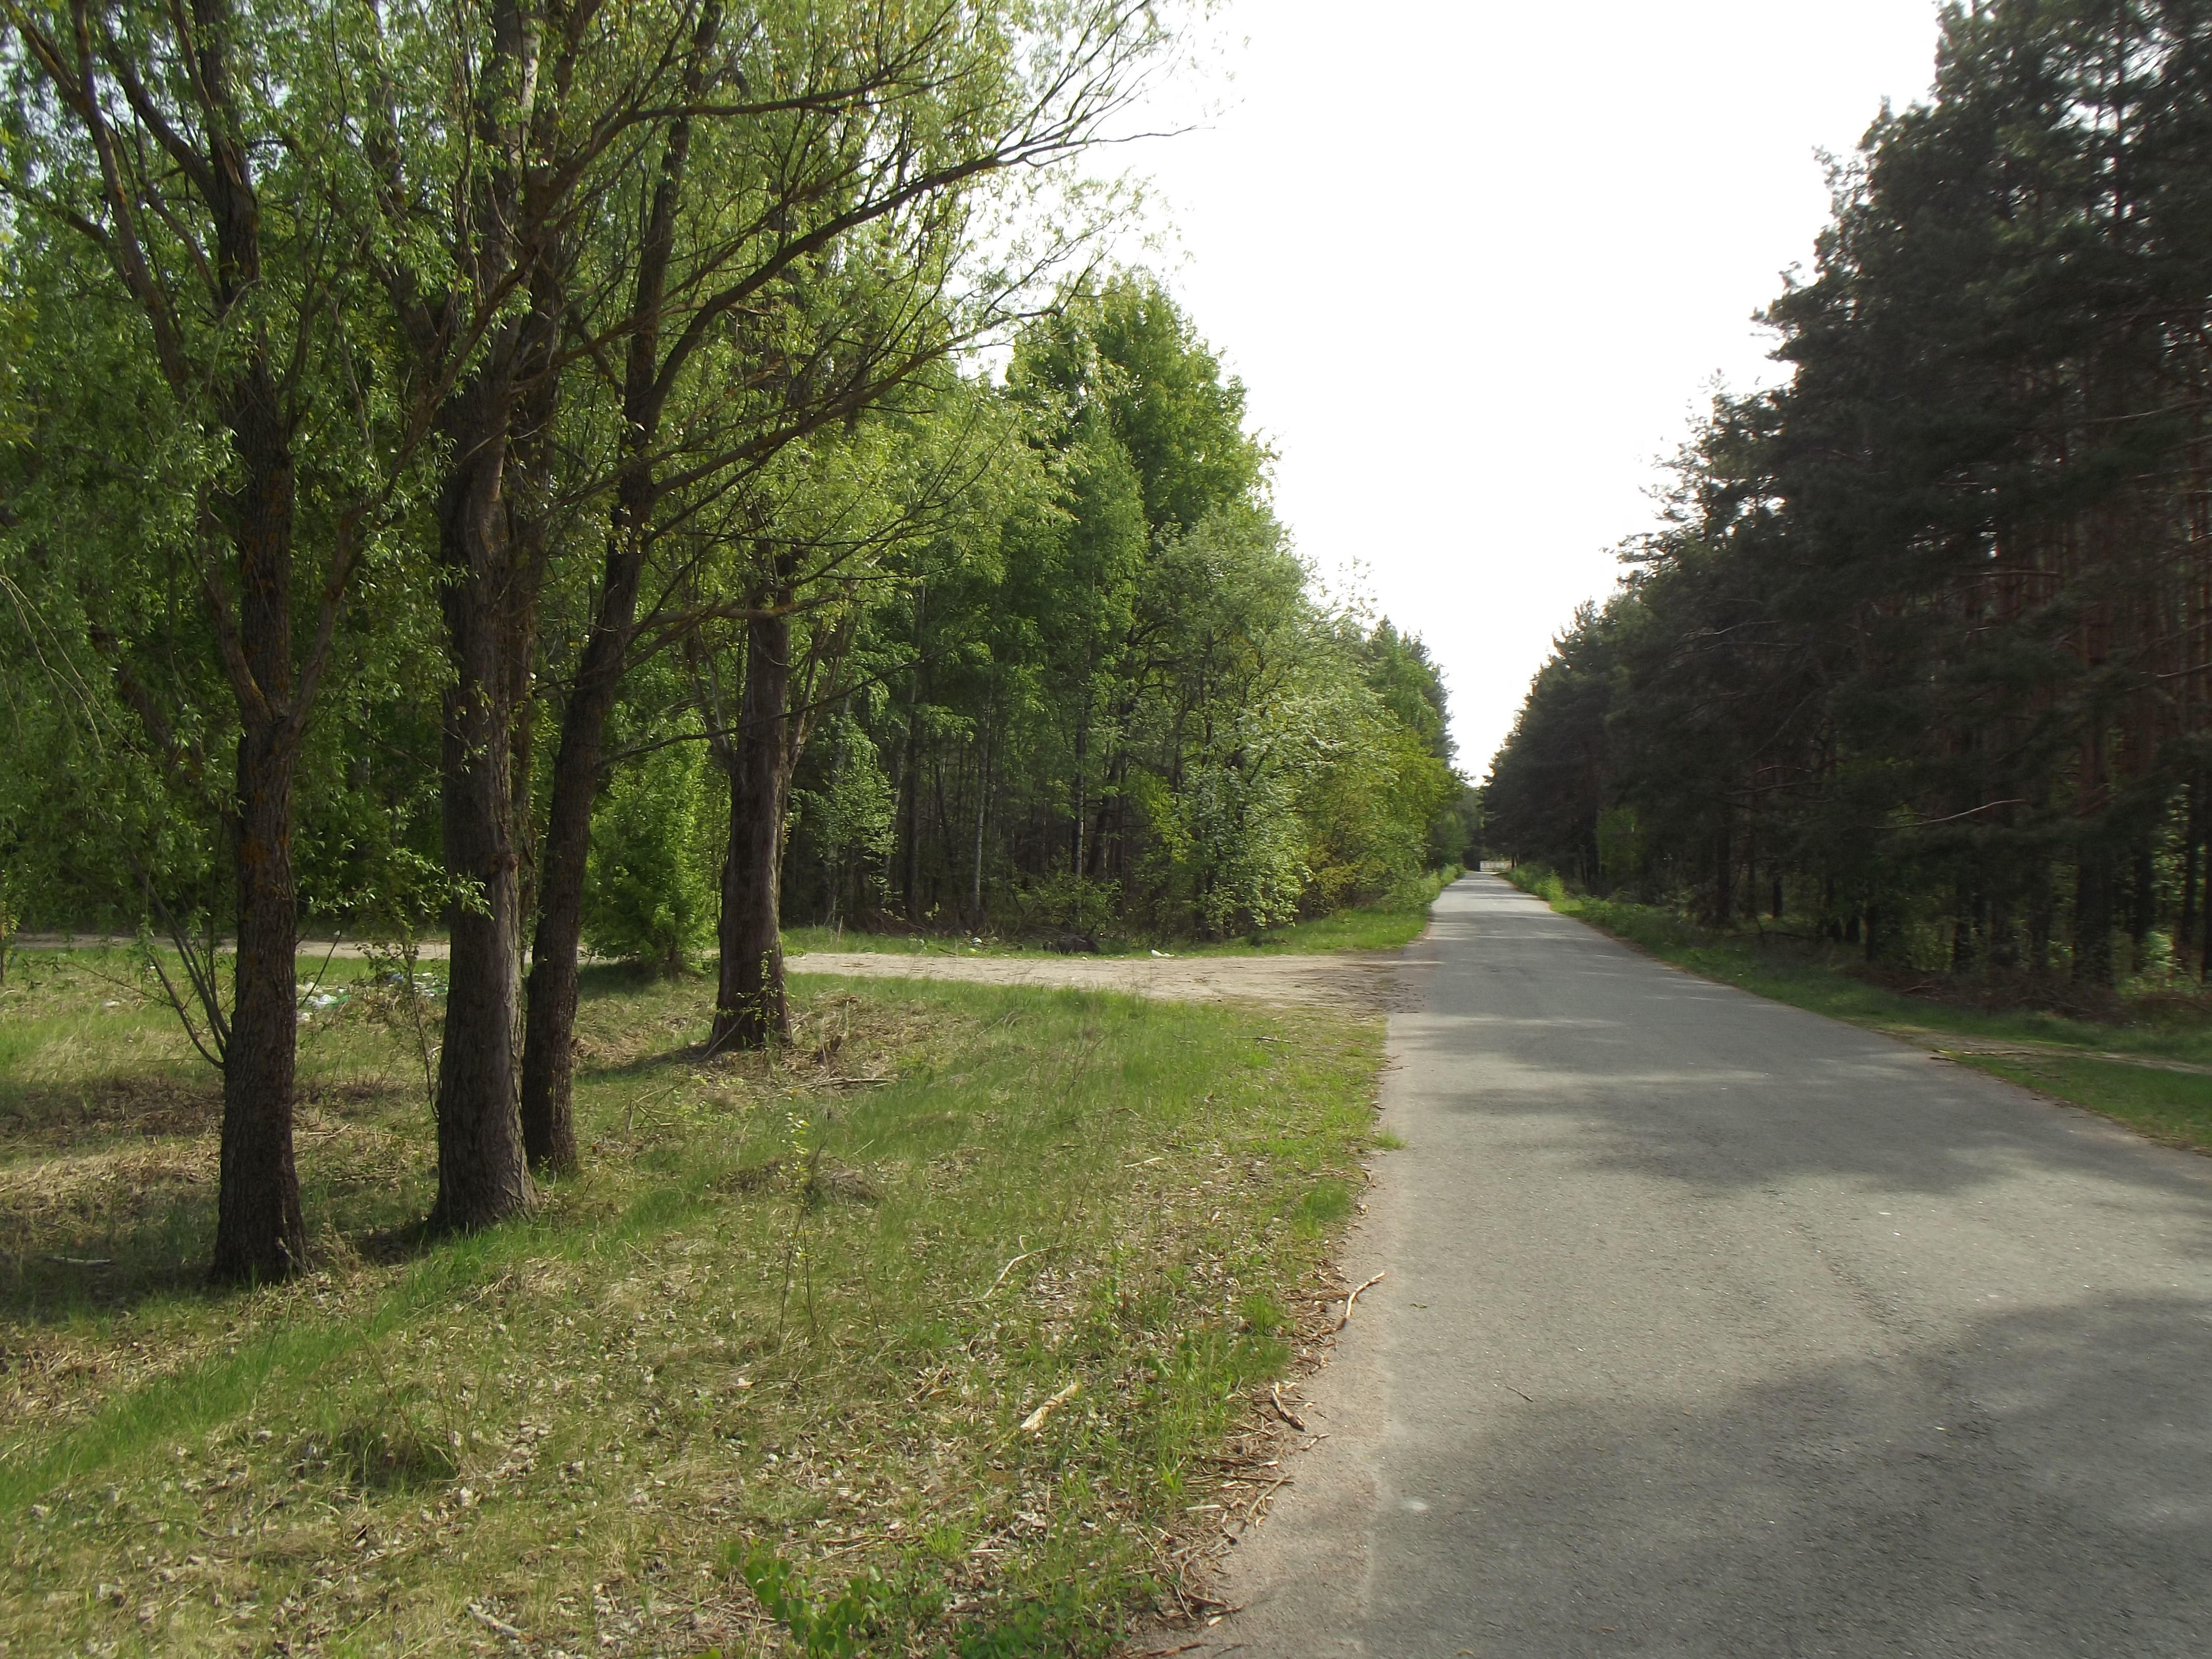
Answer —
(2086, 1062)
(1384, 925)
(2174, 1107)
(776, 1343)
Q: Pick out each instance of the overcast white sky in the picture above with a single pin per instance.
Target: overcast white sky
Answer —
(1477, 263)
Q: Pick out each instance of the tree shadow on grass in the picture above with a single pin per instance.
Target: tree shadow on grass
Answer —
(108, 1200)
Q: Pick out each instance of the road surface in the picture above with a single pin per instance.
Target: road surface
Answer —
(1715, 1328)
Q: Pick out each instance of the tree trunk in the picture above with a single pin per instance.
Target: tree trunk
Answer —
(913, 803)
(983, 801)
(749, 1008)
(2041, 921)
(2142, 907)
(2192, 834)
(1966, 907)
(483, 1177)
(549, 1128)
(549, 1040)
(260, 1234)
(2004, 942)
(2092, 915)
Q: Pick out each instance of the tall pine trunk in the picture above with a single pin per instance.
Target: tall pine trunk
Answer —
(750, 1011)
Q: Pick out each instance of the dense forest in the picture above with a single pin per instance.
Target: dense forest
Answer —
(590, 480)
(1921, 658)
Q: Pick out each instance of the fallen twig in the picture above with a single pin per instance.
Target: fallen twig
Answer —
(1008, 1269)
(1346, 1319)
(1035, 1420)
(1275, 1395)
(499, 1625)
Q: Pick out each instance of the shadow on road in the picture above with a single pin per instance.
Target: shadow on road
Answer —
(2053, 1495)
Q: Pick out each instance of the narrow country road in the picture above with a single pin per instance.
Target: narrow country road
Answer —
(1714, 1328)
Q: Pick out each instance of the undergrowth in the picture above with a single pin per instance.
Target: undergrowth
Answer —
(1385, 924)
(756, 1381)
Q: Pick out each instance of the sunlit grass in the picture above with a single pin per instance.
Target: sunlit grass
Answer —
(799, 1303)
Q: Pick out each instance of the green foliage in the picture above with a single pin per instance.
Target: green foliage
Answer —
(1137, 687)
(649, 897)
(850, 817)
(1915, 664)
(827, 1630)
(1073, 904)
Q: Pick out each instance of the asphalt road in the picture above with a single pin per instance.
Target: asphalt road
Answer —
(1715, 1328)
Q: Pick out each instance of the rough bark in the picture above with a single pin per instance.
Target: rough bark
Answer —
(482, 1175)
(983, 804)
(549, 1040)
(750, 1011)
(916, 688)
(260, 1232)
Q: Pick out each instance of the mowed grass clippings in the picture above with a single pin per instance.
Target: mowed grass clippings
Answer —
(795, 1311)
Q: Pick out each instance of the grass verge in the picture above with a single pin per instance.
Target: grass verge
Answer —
(919, 1337)
(2152, 1073)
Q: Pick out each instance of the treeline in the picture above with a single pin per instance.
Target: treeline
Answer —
(520, 469)
(1110, 699)
(1923, 657)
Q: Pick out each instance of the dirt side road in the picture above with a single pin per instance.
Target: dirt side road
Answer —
(1360, 982)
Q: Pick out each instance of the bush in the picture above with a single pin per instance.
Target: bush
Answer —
(649, 892)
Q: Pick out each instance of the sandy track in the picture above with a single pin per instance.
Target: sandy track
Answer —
(1360, 982)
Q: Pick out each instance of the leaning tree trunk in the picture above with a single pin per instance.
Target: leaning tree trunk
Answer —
(549, 1066)
(549, 1125)
(749, 1008)
(483, 1177)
